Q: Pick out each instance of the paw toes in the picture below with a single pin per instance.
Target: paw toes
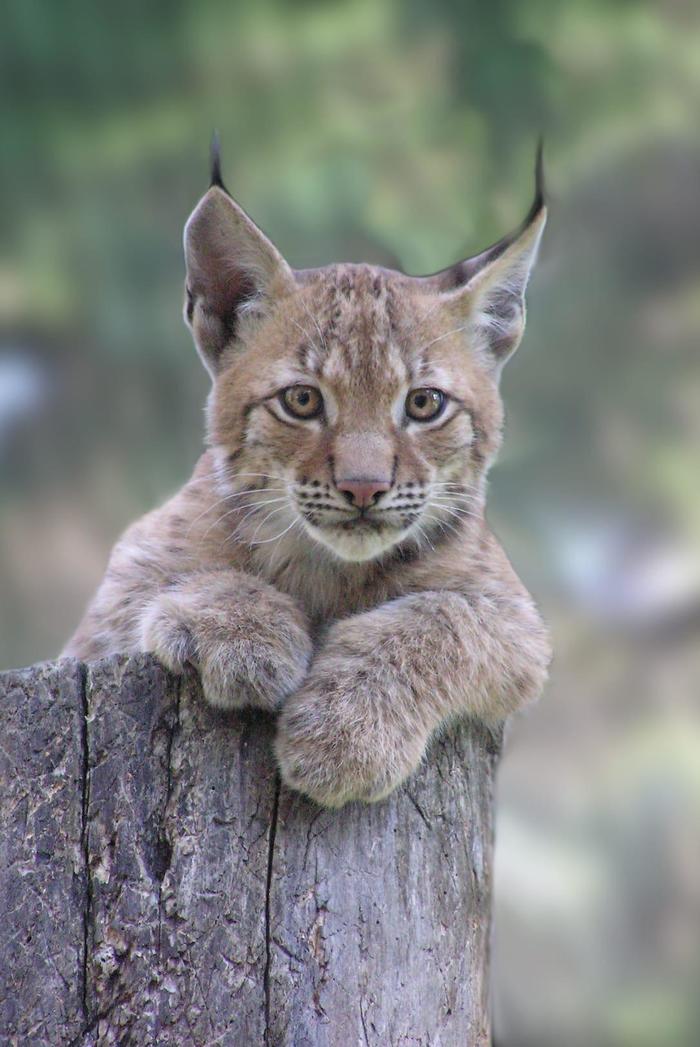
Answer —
(222, 694)
(168, 637)
(236, 668)
(229, 681)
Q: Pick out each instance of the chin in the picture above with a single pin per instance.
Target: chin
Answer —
(359, 544)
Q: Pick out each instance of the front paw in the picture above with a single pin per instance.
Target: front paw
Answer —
(339, 739)
(242, 659)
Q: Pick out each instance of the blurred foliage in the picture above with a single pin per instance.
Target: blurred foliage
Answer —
(403, 132)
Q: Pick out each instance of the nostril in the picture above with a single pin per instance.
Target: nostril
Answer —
(373, 496)
(362, 493)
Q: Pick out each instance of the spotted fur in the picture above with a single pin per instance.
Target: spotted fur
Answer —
(367, 626)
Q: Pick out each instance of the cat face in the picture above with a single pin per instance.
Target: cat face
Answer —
(352, 406)
(359, 406)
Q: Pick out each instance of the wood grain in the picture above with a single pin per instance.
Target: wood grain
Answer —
(160, 888)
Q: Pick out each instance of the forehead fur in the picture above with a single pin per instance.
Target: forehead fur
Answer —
(364, 327)
(368, 335)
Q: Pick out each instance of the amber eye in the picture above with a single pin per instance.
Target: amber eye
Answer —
(422, 405)
(302, 401)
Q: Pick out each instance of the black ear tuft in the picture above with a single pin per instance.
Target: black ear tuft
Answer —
(462, 272)
(215, 161)
(540, 189)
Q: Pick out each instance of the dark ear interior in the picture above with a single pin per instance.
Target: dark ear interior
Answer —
(230, 264)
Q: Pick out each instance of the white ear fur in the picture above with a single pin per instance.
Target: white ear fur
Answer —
(231, 265)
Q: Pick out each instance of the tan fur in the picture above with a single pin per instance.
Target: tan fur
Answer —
(368, 636)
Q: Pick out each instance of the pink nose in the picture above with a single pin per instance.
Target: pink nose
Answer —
(362, 493)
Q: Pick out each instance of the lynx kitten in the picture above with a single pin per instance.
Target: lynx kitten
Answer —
(329, 558)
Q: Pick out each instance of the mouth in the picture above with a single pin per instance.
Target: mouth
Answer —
(361, 522)
(358, 538)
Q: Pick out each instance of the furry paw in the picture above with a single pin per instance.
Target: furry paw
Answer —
(243, 658)
(338, 739)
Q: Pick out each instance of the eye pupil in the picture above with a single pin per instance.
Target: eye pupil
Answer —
(302, 401)
(422, 405)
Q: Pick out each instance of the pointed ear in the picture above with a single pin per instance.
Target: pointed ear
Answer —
(488, 290)
(231, 268)
(494, 298)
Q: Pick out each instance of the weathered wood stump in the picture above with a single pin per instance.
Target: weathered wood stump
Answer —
(158, 887)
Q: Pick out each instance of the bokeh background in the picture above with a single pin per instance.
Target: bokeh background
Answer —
(403, 132)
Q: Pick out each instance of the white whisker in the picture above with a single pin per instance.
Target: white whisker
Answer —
(454, 510)
(306, 334)
(457, 497)
(240, 508)
(251, 512)
(226, 498)
(442, 523)
(270, 476)
(448, 499)
(426, 316)
(453, 486)
(446, 334)
(264, 521)
(204, 512)
(277, 551)
(424, 535)
(276, 538)
(315, 322)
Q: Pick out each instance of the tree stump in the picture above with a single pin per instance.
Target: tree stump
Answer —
(159, 887)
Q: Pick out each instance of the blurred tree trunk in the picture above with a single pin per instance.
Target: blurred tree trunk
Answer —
(159, 888)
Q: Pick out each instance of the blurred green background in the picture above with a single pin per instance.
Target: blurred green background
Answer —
(404, 133)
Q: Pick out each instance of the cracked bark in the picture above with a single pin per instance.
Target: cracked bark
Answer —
(159, 887)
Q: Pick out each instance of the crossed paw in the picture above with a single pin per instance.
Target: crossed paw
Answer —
(341, 736)
(245, 658)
